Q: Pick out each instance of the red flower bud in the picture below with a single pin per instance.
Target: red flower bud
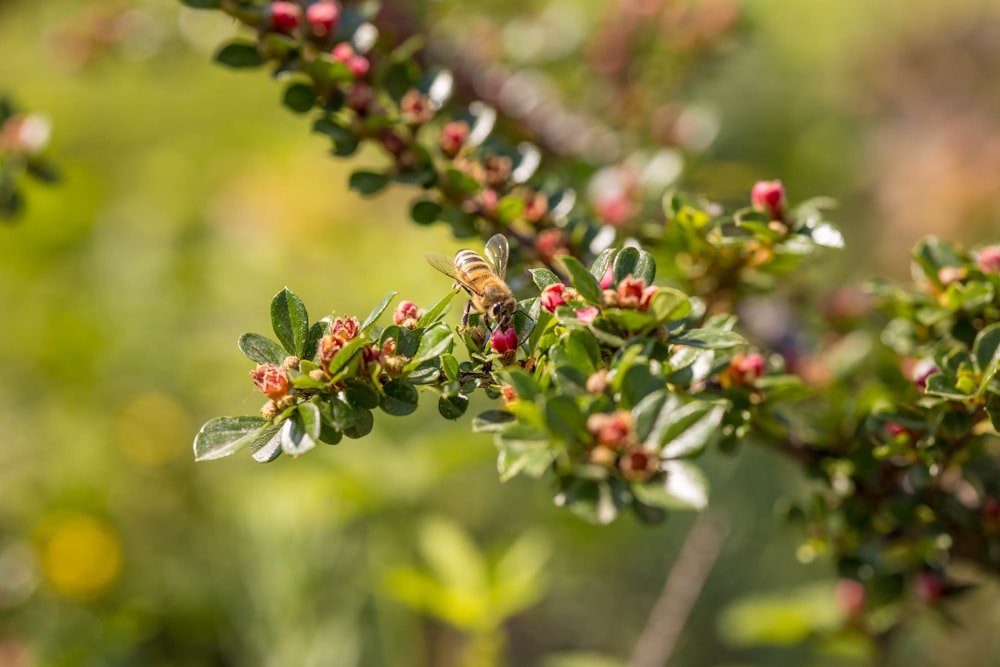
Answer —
(587, 315)
(744, 369)
(345, 328)
(611, 430)
(453, 136)
(988, 259)
(504, 341)
(553, 296)
(270, 380)
(639, 464)
(633, 293)
(407, 314)
(536, 207)
(323, 17)
(769, 197)
(285, 16)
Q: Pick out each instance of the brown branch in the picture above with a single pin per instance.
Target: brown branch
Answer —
(680, 591)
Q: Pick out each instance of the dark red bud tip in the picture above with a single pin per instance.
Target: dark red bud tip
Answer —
(769, 197)
(323, 17)
(285, 16)
(504, 341)
(929, 587)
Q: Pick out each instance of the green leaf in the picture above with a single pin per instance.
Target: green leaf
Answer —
(290, 321)
(437, 311)
(360, 395)
(523, 384)
(543, 278)
(683, 486)
(625, 262)
(345, 142)
(328, 435)
(453, 406)
(941, 385)
(425, 212)
(203, 4)
(368, 182)
(601, 263)
(531, 457)
(261, 349)
(585, 283)
(688, 429)
(399, 398)
(406, 342)
(223, 436)
(646, 412)
(377, 311)
(362, 425)
(509, 209)
(433, 343)
(311, 422)
(299, 97)
(596, 502)
(582, 350)
(267, 446)
(295, 438)
(344, 356)
(987, 352)
(564, 419)
(645, 267)
(316, 331)
(240, 54)
(709, 338)
(492, 421)
(669, 304)
(637, 383)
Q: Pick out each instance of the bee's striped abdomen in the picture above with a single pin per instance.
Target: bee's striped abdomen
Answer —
(472, 266)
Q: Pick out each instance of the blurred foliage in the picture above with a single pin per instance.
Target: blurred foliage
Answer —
(188, 199)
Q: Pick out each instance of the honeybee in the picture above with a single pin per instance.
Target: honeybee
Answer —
(482, 279)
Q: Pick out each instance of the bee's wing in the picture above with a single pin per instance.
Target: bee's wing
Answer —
(446, 265)
(497, 252)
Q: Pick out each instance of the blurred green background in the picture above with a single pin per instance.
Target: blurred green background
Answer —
(190, 197)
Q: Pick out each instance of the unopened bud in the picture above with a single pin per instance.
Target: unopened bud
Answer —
(323, 17)
(769, 197)
(553, 296)
(285, 16)
(291, 363)
(988, 259)
(415, 108)
(453, 136)
(270, 380)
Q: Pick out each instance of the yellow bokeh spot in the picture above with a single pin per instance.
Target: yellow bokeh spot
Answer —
(153, 429)
(81, 556)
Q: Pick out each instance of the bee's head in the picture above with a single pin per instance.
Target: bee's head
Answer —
(503, 311)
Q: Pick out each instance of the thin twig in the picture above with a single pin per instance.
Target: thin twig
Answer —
(680, 591)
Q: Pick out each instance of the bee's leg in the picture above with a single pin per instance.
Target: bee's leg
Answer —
(465, 317)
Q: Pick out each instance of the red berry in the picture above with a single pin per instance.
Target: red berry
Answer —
(285, 16)
(769, 197)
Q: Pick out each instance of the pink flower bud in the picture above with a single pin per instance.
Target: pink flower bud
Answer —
(536, 207)
(323, 17)
(923, 370)
(343, 52)
(553, 296)
(988, 259)
(359, 66)
(850, 597)
(285, 16)
(407, 315)
(415, 107)
(504, 341)
(744, 369)
(615, 209)
(611, 430)
(587, 315)
(769, 197)
(345, 328)
(609, 278)
(270, 380)
(551, 243)
(453, 136)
